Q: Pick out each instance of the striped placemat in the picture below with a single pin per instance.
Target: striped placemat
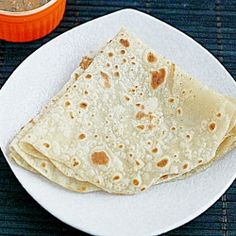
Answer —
(212, 23)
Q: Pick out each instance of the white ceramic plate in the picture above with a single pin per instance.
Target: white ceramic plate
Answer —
(41, 75)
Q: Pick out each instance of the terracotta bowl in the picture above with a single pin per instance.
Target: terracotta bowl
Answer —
(31, 25)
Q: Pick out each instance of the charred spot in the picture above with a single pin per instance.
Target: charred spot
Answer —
(137, 162)
(88, 76)
(67, 103)
(164, 177)
(108, 64)
(142, 189)
(200, 161)
(72, 116)
(75, 162)
(105, 78)
(86, 92)
(110, 54)
(117, 177)
(46, 145)
(127, 98)
(43, 164)
(122, 51)
(117, 74)
(173, 128)
(140, 115)
(141, 127)
(158, 78)
(162, 163)
(212, 126)
(99, 158)
(218, 114)
(82, 136)
(124, 60)
(179, 111)
(83, 105)
(188, 136)
(135, 182)
(151, 57)
(76, 77)
(124, 42)
(154, 150)
(86, 61)
(185, 166)
(171, 100)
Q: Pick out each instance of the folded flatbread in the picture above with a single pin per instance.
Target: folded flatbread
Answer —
(132, 119)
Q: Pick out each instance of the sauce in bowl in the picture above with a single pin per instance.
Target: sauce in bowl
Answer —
(21, 5)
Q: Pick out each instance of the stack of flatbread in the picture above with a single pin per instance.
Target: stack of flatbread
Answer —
(126, 120)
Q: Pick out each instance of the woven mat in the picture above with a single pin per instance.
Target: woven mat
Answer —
(211, 23)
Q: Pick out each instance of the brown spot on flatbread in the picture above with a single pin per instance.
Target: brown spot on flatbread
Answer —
(83, 105)
(212, 126)
(127, 98)
(67, 103)
(151, 57)
(140, 115)
(162, 163)
(83, 188)
(158, 78)
(72, 116)
(124, 42)
(155, 150)
(108, 64)
(86, 92)
(135, 182)
(122, 51)
(179, 111)
(95, 136)
(110, 54)
(137, 162)
(142, 189)
(76, 77)
(185, 166)
(86, 61)
(99, 158)
(141, 106)
(121, 146)
(188, 136)
(75, 162)
(82, 136)
(117, 74)
(43, 164)
(88, 76)
(32, 121)
(105, 78)
(124, 61)
(133, 62)
(164, 177)
(47, 145)
(200, 161)
(218, 114)
(117, 177)
(173, 128)
(116, 66)
(141, 127)
(171, 100)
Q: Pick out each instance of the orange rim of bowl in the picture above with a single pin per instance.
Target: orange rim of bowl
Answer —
(29, 13)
